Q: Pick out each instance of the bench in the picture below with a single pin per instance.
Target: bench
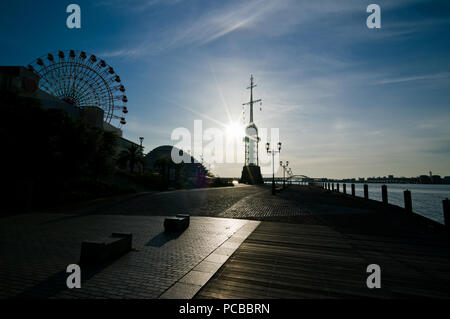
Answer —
(176, 224)
(97, 252)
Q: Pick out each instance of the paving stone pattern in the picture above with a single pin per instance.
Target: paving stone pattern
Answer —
(36, 249)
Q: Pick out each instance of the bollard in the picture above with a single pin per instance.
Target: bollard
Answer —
(344, 188)
(329, 186)
(332, 186)
(384, 194)
(353, 190)
(408, 202)
(446, 207)
(338, 187)
(366, 191)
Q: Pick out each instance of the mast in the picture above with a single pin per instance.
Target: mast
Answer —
(251, 172)
(252, 85)
(251, 98)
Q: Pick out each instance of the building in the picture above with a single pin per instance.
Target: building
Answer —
(159, 160)
(425, 179)
(26, 83)
(436, 179)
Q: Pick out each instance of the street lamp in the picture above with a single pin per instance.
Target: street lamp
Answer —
(141, 139)
(273, 152)
(284, 171)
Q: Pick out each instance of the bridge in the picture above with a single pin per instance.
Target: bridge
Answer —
(292, 179)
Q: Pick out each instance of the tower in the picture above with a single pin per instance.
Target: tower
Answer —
(251, 172)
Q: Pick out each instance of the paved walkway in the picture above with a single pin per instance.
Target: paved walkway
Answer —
(310, 243)
(36, 250)
(328, 258)
(196, 202)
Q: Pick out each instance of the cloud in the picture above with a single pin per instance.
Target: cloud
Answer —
(266, 18)
(198, 29)
(216, 23)
(260, 16)
(436, 76)
(125, 53)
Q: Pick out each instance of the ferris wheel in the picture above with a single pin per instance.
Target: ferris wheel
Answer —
(82, 79)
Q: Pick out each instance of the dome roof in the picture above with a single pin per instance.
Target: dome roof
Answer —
(163, 151)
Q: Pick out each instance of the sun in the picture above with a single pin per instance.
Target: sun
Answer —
(234, 130)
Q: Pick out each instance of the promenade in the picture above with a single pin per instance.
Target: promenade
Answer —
(242, 243)
(326, 255)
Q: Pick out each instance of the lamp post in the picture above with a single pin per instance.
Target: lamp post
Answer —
(284, 171)
(273, 152)
(141, 139)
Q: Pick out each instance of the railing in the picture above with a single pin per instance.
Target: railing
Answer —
(384, 197)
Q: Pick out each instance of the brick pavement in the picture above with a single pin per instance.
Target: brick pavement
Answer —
(37, 248)
(261, 205)
(196, 202)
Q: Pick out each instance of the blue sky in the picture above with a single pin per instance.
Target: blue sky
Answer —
(349, 101)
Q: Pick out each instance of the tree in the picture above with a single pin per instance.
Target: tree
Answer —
(131, 156)
(49, 149)
(164, 164)
(103, 149)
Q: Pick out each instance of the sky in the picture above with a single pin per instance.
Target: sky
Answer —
(348, 101)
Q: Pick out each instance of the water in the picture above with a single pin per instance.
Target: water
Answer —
(426, 199)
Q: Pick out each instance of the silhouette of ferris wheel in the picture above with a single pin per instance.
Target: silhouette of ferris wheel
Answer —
(82, 79)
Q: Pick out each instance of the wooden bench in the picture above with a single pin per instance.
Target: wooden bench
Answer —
(96, 252)
(176, 224)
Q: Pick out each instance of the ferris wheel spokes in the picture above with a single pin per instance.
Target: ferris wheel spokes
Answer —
(82, 80)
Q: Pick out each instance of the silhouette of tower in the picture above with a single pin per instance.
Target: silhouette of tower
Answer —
(251, 172)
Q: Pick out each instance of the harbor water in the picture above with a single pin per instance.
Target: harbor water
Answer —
(426, 199)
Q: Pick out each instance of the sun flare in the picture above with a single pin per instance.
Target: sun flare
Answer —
(234, 130)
